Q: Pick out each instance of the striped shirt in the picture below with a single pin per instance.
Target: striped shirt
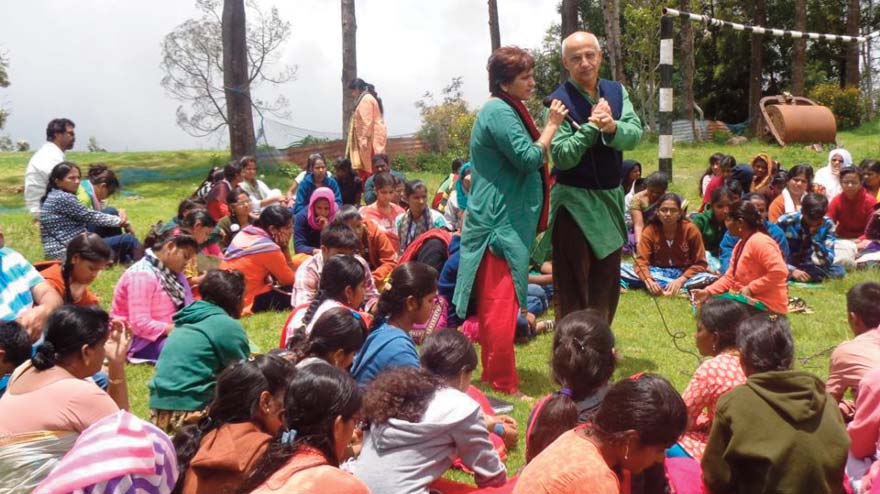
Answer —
(17, 279)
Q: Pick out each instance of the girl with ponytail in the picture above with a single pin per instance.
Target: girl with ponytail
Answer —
(50, 392)
(408, 300)
(583, 362)
(220, 452)
(343, 284)
(321, 409)
(87, 255)
(337, 336)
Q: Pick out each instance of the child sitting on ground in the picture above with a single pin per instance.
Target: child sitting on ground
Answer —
(15, 349)
(309, 223)
(385, 210)
(810, 236)
(643, 206)
(87, 255)
(335, 338)
(710, 223)
(419, 218)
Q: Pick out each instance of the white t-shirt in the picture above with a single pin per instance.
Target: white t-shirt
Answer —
(36, 176)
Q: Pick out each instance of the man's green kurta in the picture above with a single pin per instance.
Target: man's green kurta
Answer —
(505, 199)
(598, 212)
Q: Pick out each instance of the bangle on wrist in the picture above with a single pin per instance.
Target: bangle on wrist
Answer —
(116, 381)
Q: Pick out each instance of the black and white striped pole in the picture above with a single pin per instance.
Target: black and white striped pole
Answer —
(666, 100)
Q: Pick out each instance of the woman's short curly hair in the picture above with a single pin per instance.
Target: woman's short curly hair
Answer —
(402, 394)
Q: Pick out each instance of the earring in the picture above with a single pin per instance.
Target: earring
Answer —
(626, 453)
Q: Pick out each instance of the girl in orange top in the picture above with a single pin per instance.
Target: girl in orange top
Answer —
(639, 418)
(87, 255)
(385, 210)
(321, 408)
(262, 253)
(757, 268)
(798, 183)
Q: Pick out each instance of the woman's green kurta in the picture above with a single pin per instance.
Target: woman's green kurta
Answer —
(505, 199)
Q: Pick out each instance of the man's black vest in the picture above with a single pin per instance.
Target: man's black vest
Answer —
(600, 166)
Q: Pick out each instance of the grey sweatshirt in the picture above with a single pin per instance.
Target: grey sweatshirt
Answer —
(401, 457)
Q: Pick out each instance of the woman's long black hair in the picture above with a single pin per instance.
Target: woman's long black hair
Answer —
(58, 173)
(362, 85)
(89, 247)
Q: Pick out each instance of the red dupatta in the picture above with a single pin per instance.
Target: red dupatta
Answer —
(529, 123)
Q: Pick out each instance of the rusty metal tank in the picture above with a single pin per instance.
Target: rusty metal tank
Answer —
(795, 119)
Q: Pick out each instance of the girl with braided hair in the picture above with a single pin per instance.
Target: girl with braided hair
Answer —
(336, 337)
(87, 255)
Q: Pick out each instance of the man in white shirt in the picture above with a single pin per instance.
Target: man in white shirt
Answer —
(60, 137)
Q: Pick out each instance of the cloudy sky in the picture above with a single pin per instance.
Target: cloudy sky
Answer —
(97, 62)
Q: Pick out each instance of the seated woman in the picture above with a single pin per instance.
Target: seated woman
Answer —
(260, 194)
(638, 419)
(262, 253)
(711, 224)
(63, 217)
(419, 218)
(199, 224)
(305, 459)
(632, 172)
(670, 254)
(220, 452)
(152, 290)
(416, 423)
(350, 184)
(728, 243)
(409, 301)
(308, 223)
(457, 202)
(713, 170)
(781, 432)
(763, 170)
(716, 338)
(385, 210)
(239, 203)
(728, 167)
(142, 455)
(851, 210)
(217, 198)
(381, 164)
(316, 177)
(797, 184)
(342, 285)
(829, 175)
(87, 255)
(811, 239)
(643, 206)
(373, 244)
(206, 338)
(335, 339)
(99, 185)
(871, 172)
(50, 392)
(441, 197)
(583, 361)
(757, 269)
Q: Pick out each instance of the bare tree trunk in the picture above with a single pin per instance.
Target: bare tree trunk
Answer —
(800, 48)
(756, 78)
(235, 79)
(853, 14)
(569, 25)
(868, 63)
(687, 67)
(611, 17)
(349, 61)
(494, 29)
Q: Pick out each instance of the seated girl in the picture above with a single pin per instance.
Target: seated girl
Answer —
(632, 172)
(757, 271)
(336, 337)
(199, 224)
(643, 206)
(714, 170)
(342, 285)
(710, 223)
(220, 452)
(239, 216)
(416, 423)
(781, 432)
(321, 410)
(385, 210)
(638, 419)
(15, 349)
(262, 253)
(152, 290)
(811, 240)
(408, 301)
(50, 392)
(728, 243)
(851, 210)
(871, 172)
(309, 222)
(716, 338)
(373, 244)
(670, 254)
(457, 203)
(441, 197)
(63, 217)
(583, 362)
(798, 182)
(260, 193)
(350, 184)
(419, 218)
(316, 177)
(728, 167)
(206, 338)
(87, 255)
(763, 171)
(101, 183)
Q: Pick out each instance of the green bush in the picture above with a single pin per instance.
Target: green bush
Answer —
(446, 125)
(427, 162)
(846, 103)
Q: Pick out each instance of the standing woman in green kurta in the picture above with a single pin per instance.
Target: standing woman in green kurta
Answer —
(508, 198)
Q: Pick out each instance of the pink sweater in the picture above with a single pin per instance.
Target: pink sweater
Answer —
(140, 299)
(864, 430)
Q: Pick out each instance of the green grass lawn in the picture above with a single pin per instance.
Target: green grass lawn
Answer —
(642, 340)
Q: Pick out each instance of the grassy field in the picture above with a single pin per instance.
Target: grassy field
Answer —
(156, 181)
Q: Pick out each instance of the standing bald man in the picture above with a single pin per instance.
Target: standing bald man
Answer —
(586, 219)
